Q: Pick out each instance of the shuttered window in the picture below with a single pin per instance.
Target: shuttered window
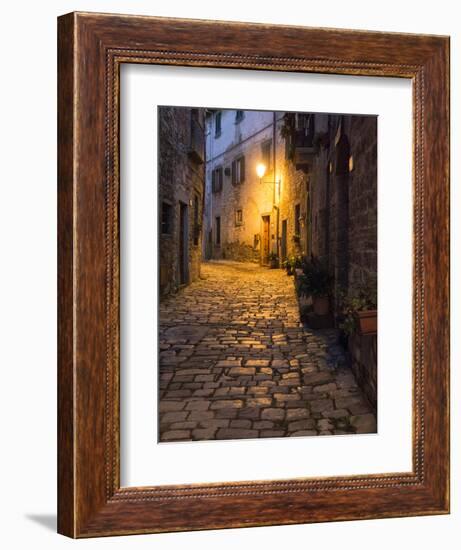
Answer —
(238, 170)
(217, 128)
(217, 180)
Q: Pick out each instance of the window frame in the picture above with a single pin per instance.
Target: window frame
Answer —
(217, 187)
(218, 124)
(239, 117)
(238, 222)
(239, 161)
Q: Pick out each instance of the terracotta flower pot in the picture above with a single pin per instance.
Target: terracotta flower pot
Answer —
(321, 305)
(368, 321)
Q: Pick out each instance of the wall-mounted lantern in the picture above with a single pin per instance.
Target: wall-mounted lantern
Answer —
(351, 163)
(260, 170)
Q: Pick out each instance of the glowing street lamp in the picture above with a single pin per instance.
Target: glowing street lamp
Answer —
(260, 170)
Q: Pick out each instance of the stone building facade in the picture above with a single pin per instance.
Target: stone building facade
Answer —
(181, 186)
(239, 212)
(343, 199)
(321, 200)
(343, 218)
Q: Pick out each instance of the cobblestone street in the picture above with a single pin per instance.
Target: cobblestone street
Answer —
(235, 362)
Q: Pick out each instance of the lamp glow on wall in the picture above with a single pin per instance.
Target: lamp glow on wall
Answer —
(260, 172)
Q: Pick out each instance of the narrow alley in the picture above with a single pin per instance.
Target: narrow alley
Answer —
(236, 362)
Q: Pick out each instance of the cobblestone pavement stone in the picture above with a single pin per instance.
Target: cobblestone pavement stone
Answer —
(236, 363)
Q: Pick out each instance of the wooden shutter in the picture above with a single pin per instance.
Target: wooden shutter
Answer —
(242, 169)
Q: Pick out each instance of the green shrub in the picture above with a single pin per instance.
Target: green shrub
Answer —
(316, 280)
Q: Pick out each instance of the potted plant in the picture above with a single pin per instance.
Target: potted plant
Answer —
(360, 309)
(368, 321)
(291, 263)
(297, 262)
(286, 266)
(273, 260)
(316, 282)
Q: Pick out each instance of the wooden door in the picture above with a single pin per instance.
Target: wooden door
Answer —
(265, 240)
(284, 241)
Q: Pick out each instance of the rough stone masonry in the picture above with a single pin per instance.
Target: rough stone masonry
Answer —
(237, 363)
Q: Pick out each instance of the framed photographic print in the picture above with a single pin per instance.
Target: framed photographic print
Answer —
(235, 201)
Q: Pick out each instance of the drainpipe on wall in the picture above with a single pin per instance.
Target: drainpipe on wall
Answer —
(208, 248)
(277, 207)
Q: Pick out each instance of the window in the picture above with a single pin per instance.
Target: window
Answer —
(217, 122)
(238, 170)
(238, 116)
(238, 217)
(218, 230)
(216, 180)
(297, 220)
(196, 220)
(167, 218)
(266, 149)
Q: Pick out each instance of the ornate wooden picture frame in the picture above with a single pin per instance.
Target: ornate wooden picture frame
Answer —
(92, 48)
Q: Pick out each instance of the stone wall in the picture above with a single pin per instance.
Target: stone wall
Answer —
(327, 205)
(363, 203)
(343, 195)
(239, 252)
(180, 182)
(239, 239)
(255, 197)
(363, 358)
(293, 191)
